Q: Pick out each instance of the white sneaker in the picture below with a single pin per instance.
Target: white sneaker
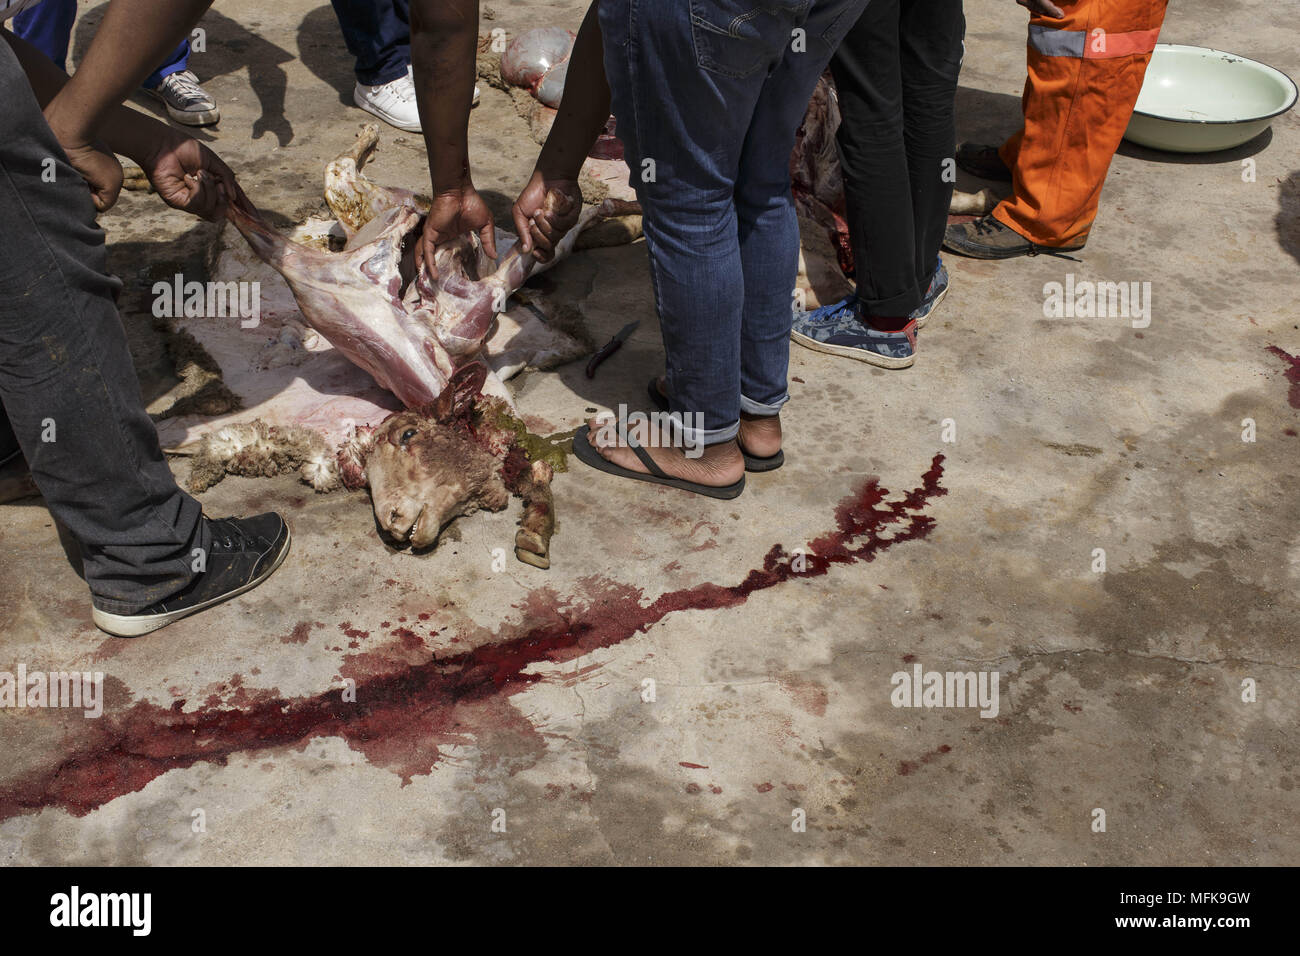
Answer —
(393, 102)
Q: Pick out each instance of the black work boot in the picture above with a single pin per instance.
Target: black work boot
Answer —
(988, 238)
(983, 161)
(245, 552)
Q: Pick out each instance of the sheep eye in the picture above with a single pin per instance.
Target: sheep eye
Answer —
(408, 435)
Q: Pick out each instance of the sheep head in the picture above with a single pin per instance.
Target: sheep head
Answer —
(427, 466)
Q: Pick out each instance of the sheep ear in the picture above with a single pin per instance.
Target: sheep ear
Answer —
(466, 385)
(440, 410)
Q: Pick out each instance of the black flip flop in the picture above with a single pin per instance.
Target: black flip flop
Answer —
(752, 462)
(588, 455)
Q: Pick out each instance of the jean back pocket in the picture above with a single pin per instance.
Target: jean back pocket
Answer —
(736, 38)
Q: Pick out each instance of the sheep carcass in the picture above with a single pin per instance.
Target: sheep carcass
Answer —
(420, 340)
(374, 303)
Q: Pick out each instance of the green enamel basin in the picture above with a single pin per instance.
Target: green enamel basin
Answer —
(1197, 100)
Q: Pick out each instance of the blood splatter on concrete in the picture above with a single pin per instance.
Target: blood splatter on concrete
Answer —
(906, 767)
(1292, 374)
(402, 719)
(299, 635)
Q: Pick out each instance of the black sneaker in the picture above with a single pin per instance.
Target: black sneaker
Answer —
(983, 161)
(245, 552)
(988, 238)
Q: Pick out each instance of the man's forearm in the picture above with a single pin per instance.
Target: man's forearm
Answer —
(585, 108)
(444, 42)
(132, 40)
(45, 78)
(127, 131)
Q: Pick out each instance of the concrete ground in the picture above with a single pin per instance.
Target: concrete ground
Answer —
(675, 689)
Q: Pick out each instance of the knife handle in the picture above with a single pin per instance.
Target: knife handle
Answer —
(613, 346)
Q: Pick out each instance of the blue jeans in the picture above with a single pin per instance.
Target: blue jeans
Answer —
(48, 27)
(378, 34)
(709, 95)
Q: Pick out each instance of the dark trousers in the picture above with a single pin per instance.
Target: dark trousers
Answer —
(48, 27)
(378, 34)
(67, 384)
(896, 75)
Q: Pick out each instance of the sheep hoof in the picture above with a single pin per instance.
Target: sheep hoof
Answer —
(530, 548)
(536, 560)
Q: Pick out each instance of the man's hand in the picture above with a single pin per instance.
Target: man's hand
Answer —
(544, 212)
(188, 176)
(101, 171)
(1042, 8)
(454, 214)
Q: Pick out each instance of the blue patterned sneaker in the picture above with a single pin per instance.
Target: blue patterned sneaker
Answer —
(839, 330)
(933, 295)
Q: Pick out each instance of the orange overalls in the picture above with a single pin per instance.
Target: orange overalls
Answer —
(1085, 73)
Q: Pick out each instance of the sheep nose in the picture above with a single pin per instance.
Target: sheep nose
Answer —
(399, 519)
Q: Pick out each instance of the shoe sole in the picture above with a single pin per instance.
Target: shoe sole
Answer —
(920, 319)
(195, 117)
(383, 115)
(586, 453)
(987, 252)
(133, 625)
(756, 463)
(848, 351)
(192, 118)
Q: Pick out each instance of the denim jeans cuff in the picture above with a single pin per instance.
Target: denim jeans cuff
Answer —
(384, 73)
(751, 407)
(693, 439)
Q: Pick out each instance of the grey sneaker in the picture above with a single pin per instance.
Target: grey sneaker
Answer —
(187, 102)
(840, 330)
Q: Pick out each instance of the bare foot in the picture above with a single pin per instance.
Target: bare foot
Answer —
(760, 435)
(720, 465)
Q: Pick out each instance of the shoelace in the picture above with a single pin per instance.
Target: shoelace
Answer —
(186, 87)
(846, 312)
(1037, 250)
(401, 88)
(984, 227)
(846, 308)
